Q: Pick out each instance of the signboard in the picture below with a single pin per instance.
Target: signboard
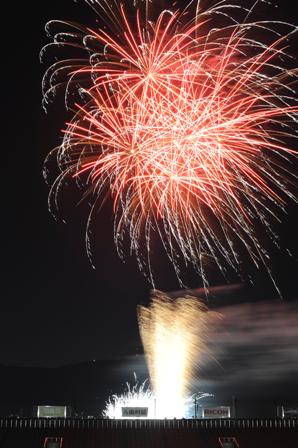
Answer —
(53, 442)
(228, 442)
(288, 412)
(216, 412)
(136, 412)
(51, 411)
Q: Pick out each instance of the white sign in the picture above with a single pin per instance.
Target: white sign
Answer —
(218, 412)
(136, 412)
(51, 411)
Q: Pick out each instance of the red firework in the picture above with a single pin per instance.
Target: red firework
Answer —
(186, 126)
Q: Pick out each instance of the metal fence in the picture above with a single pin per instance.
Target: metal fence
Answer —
(190, 424)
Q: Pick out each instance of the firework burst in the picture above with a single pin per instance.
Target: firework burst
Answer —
(186, 125)
(134, 396)
(174, 335)
(141, 396)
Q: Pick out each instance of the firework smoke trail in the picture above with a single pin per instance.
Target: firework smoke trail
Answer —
(174, 335)
(185, 123)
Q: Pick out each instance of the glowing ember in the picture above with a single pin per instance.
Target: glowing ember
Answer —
(186, 123)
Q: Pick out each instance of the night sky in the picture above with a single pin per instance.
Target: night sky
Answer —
(56, 309)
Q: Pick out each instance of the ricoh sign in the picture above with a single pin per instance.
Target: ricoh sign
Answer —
(218, 412)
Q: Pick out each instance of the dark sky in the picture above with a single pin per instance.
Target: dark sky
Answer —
(55, 308)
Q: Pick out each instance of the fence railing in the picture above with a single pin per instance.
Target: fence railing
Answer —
(188, 424)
